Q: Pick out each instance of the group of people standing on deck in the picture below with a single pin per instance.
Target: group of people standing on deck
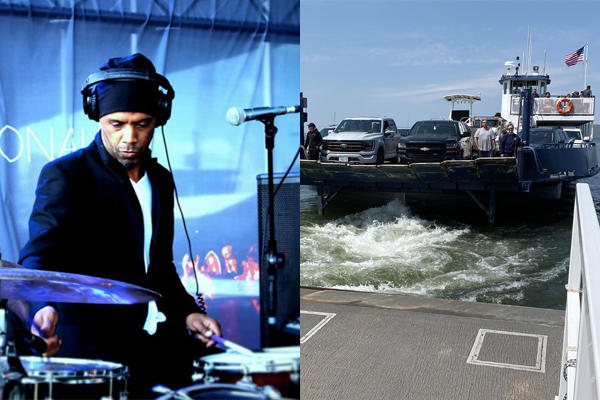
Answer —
(587, 92)
(485, 140)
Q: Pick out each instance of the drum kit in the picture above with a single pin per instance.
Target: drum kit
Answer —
(238, 373)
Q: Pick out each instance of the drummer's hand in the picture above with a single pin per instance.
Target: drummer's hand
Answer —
(44, 323)
(200, 324)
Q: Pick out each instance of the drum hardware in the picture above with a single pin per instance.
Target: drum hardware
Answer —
(56, 377)
(18, 284)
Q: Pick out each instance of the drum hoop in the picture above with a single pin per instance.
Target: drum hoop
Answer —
(251, 368)
(98, 371)
(245, 388)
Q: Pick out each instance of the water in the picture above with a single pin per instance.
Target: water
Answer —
(441, 247)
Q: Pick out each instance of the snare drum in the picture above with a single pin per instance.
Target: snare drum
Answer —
(71, 378)
(278, 367)
(214, 391)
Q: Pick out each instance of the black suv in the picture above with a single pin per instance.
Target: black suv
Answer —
(435, 141)
(547, 137)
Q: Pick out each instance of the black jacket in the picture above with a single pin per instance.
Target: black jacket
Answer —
(87, 220)
(508, 144)
(313, 140)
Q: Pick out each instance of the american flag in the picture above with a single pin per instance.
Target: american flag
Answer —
(574, 58)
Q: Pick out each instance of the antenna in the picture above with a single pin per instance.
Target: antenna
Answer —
(544, 70)
(528, 45)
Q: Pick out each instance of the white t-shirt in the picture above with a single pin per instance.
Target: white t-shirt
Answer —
(484, 139)
(143, 190)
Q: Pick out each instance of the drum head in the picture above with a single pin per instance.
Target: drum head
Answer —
(67, 369)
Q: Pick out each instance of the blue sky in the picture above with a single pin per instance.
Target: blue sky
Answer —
(399, 58)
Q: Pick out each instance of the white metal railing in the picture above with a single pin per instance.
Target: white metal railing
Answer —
(549, 106)
(581, 350)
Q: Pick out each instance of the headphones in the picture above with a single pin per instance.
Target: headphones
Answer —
(165, 91)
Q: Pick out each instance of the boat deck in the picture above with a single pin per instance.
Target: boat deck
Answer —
(481, 174)
(357, 345)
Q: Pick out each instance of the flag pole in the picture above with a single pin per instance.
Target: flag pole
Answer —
(586, 58)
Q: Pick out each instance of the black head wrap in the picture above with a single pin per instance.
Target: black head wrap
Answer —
(128, 95)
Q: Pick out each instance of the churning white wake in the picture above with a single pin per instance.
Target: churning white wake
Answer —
(387, 249)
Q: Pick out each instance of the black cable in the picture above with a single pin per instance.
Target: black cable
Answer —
(288, 171)
(264, 233)
(199, 297)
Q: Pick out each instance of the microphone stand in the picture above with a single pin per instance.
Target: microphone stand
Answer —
(275, 260)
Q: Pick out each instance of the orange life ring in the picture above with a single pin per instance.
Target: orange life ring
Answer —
(559, 106)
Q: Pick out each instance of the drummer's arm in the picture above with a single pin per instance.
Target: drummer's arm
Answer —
(201, 325)
(48, 242)
(43, 325)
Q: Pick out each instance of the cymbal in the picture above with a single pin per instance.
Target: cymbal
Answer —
(19, 283)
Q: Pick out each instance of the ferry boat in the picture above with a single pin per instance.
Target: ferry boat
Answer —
(536, 171)
(555, 110)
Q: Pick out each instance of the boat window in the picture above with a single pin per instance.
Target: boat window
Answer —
(505, 87)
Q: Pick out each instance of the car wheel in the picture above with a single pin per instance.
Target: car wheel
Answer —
(380, 156)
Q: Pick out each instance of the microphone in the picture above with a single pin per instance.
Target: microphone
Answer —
(237, 116)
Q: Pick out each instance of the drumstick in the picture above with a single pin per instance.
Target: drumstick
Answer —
(229, 344)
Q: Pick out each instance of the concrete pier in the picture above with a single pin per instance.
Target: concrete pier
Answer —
(357, 345)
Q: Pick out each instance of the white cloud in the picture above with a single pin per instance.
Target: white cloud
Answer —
(314, 59)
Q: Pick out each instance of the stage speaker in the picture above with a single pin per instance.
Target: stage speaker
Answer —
(287, 279)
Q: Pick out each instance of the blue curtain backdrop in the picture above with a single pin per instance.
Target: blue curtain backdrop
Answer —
(217, 54)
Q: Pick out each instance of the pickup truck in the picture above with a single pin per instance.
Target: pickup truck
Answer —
(361, 140)
(435, 141)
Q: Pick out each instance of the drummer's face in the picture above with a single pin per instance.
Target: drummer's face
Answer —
(126, 136)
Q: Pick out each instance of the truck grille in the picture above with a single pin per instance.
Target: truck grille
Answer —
(430, 152)
(344, 146)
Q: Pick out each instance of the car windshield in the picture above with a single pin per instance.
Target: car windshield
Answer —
(430, 128)
(541, 137)
(359, 125)
(545, 136)
(574, 134)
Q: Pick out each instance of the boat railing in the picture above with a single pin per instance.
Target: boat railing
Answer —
(580, 364)
(557, 106)
(567, 145)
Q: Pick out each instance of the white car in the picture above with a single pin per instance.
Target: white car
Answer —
(361, 140)
(575, 133)
(325, 131)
